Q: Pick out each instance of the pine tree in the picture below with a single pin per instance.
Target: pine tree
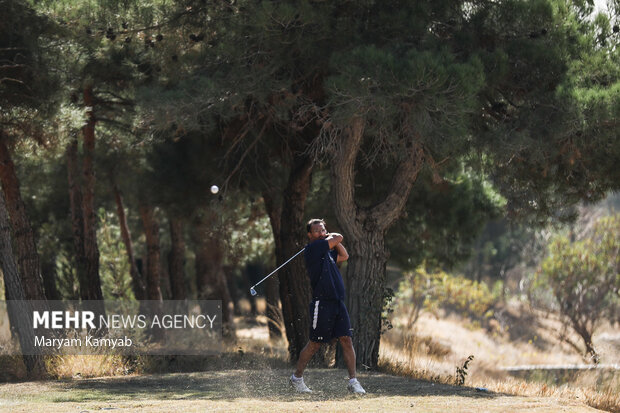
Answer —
(413, 85)
(27, 89)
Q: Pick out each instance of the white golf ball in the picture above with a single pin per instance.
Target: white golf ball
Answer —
(215, 189)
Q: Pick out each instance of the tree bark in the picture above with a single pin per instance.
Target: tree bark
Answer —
(91, 290)
(176, 259)
(364, 236)
(272, 284)
(295, 291)
(27, 255)
(233, 288)
(18, 313)
(365, 283)
(210, 278)
(164, 282)
(49, 274)
(590, 350)
(151, 231)
(137, 283)
(585, 329)
(77, 214)
(249, 275)
(217, 288)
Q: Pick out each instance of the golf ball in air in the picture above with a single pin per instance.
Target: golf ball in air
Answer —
(215, 189)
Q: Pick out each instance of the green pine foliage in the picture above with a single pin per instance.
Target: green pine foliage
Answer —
(27, 85)
(66, 281)
(444, 220)
(575, 118)
(113, 263)
(491, 82)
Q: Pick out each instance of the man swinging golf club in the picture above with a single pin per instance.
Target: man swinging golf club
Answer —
(328, 314)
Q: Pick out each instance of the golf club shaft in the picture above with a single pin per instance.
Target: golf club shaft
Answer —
(272, 272)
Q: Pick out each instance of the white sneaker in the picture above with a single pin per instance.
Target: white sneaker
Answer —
(299, 385)
(356, 388)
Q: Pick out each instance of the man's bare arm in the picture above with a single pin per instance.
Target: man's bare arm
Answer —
(333, 239)
(343, 255)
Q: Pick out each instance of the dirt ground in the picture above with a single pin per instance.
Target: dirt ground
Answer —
(265, 390)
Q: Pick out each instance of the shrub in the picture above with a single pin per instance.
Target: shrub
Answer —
(421, 290)
(584, 275)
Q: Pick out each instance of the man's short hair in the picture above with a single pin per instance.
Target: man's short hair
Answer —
(312, 222)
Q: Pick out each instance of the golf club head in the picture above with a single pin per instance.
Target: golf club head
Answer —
(253, 292)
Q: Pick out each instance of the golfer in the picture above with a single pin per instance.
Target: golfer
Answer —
(328, 314)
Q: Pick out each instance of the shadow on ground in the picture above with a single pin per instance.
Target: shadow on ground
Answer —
(272, 384)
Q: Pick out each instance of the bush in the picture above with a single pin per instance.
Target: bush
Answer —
(421, 290)
(584, 275)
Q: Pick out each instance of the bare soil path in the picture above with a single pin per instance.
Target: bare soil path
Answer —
(265, 390)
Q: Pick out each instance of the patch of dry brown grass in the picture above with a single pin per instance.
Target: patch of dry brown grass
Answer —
(251, 353)
(250, 350)
(434, 356)
(607, 400)
(92, 365)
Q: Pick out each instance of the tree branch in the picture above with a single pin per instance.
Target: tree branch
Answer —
(116, 123)
(385, 213)
(247, 151)
(8, 79)
(343, 176)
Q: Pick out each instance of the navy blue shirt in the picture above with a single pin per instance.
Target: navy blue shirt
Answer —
(325, 277)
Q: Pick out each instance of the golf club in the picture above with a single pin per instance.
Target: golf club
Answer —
(253, 291)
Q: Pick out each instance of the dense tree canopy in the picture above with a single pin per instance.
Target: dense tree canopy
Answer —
(419, 121)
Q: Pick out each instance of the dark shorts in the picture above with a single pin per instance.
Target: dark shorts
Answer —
(329, 319)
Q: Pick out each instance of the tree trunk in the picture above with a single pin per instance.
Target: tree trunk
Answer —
(151, 231)
(7, 294)
(295, 291)
(233, 288)
(20, 316)
(272, 284)
(584, 329)
(77, 214)
(210, 277)
(176, 259)
(217, 287)
(590, 350)
(365, 283)
(137, 283)
(249, 276)
(49, 274)
(201, 268)
(164, 282)
(364, 236)
(27, 256)
(91, 290)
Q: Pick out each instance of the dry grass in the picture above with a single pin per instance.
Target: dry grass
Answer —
(437, 346)
(252, 350)
(607, 400)
(429, 355)
(421, 368)
(68, 366)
